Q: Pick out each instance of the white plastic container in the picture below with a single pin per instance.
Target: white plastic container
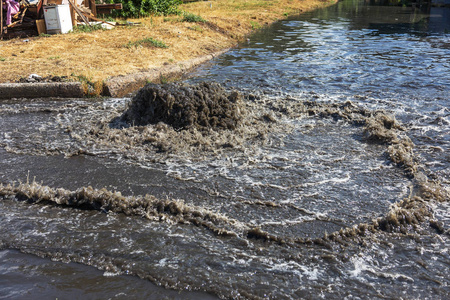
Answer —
(57, 19)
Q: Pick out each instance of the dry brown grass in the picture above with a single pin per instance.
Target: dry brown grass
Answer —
(99, 55)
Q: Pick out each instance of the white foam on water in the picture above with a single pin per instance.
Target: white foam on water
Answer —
(111, 274)
(332, 180)
(360, 265)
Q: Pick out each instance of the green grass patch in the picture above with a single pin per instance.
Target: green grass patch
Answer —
(196, 28)
(255, 25)
(87, 28)
(2, 58)
(147, 42)
(163, 79)
(54, 57)
(90, 88)
(190, 17)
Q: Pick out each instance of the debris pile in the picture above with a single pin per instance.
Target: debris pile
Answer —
(24, 18)
(33, 78)
(202, 106)
(18, 18)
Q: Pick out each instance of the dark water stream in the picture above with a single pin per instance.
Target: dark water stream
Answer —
(318, 193)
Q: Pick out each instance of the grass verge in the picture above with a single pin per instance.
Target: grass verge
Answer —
(101, 54)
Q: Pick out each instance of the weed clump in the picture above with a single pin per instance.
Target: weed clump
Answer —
(147, 42)
(190, 17)
(87, 28)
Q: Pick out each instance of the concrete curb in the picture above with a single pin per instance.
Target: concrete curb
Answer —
(41, 90)
(118, 86)
(124, 85)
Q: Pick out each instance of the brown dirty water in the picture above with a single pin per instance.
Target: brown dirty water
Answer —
(307, 163)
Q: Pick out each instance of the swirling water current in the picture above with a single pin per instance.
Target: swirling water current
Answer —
(294, 176)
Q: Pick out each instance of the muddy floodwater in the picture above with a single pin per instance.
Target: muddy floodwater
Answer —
(310, 162)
